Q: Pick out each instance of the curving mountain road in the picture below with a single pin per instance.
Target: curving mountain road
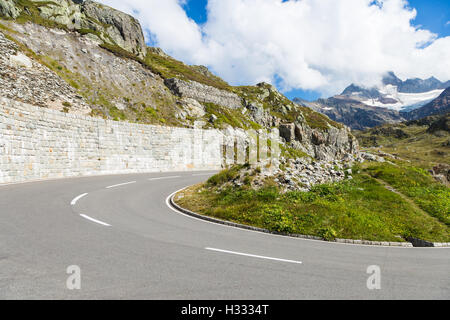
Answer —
(129, 244)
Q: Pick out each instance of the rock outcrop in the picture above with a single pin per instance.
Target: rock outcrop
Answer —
(100, 21)
(332, 143)
(300, 174)
(203, 93)
(123, 29)
(441, 173)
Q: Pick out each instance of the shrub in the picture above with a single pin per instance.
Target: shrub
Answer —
(276, 219)
(224, 176)
(327, 233)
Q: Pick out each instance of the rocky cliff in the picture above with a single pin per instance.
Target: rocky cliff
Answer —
(101, 22)
(333, 143)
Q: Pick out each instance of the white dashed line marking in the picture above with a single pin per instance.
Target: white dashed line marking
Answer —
(120, 184)
(95, 220)
(161, 178)
(74, 201)
(253, 255)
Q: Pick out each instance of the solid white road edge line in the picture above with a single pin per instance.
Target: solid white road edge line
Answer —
(161, 178)
(276, 235)
(202, 174)
(253, 255)
(74, 201)
(120, 184)
(95, 220)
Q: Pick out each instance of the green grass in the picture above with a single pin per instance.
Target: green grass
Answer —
(224, 176)
(30, 13)
(361, 208)
(170, 68)
(317, 120)
(411, 142)
(418, 185)
(291, 153)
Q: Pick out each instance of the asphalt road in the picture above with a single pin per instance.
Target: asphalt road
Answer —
(130, 245)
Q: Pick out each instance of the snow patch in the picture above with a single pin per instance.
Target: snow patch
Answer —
(408, 101)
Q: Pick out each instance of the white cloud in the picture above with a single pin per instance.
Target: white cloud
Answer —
(311, 44)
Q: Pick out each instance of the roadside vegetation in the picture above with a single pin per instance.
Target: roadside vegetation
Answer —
(361, 208)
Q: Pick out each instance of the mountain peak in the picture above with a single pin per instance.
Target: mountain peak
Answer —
(392, 79)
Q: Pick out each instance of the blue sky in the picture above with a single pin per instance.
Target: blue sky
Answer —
(433, 15)
(196, 10)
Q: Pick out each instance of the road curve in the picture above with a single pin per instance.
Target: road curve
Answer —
(130, 245)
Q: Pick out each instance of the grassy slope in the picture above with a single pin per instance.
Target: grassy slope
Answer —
(418, 185)
(359, 209)
(421, 148)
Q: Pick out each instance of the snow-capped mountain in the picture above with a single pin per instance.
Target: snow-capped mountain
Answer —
(396, 94)
(395, 100)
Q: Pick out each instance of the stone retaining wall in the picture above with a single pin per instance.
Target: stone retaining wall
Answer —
(39, 143)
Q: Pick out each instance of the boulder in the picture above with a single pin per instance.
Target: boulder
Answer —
(318, 138)
(20, 60)
(371, 157)
(193, 107)
(441, 172)
(124, 29)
